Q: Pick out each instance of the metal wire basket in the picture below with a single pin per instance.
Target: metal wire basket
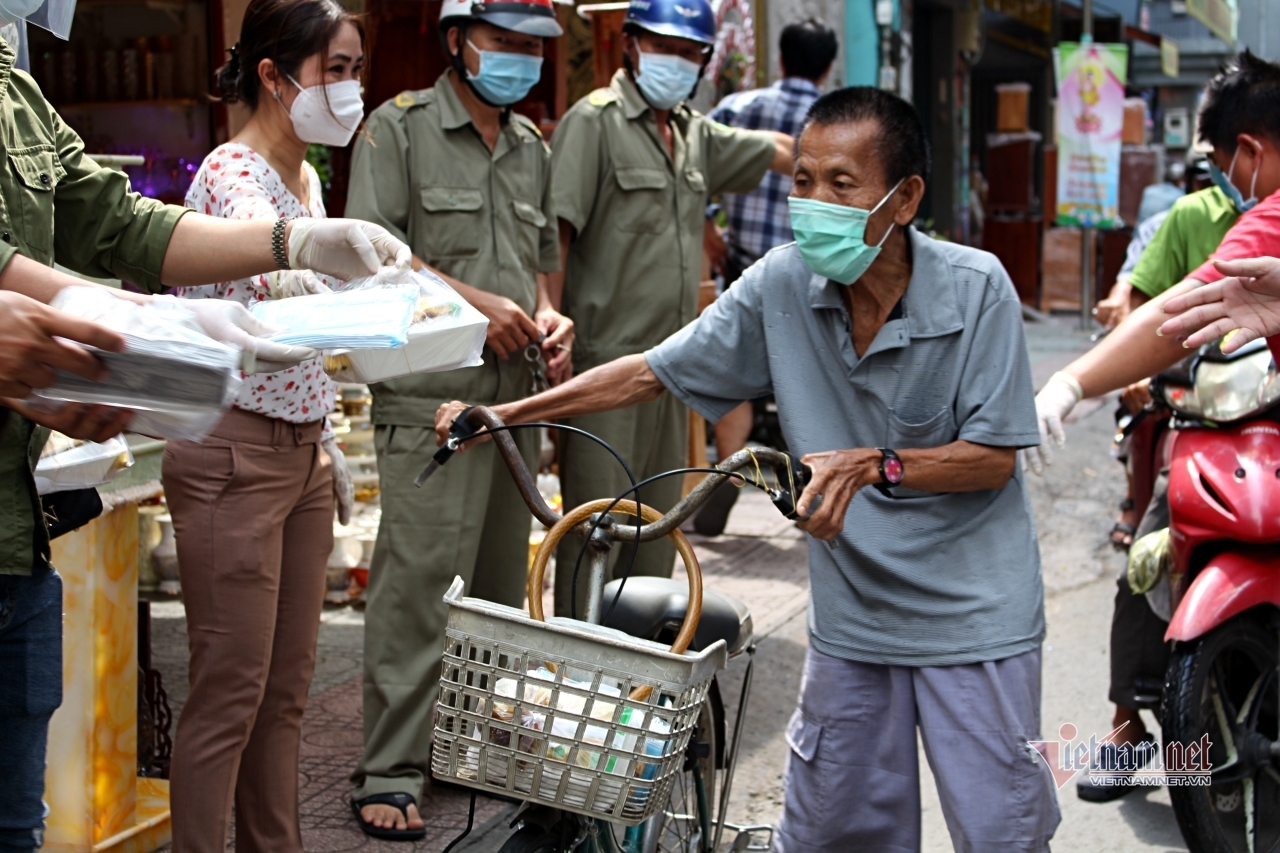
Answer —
(564, 713)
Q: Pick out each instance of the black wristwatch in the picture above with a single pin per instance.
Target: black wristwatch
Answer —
(891, 471)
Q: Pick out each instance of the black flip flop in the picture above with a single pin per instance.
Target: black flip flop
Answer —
(397, 800)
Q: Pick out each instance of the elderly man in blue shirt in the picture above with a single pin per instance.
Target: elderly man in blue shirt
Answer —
(901, 374)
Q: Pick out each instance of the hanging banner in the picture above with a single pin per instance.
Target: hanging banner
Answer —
(1089, 119)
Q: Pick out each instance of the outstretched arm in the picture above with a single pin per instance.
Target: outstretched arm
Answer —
(623, 382)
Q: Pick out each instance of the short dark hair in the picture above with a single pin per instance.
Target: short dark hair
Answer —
(903, 147)
(284, 31)
(1243, 97)
(808, 48)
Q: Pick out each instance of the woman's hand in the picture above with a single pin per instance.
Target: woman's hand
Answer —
(344, 490)
(1054, 402)
(76, 420)
(1248, 300)
(557, 344)
(285, 284)
(343, 248)
(229, 322)
(837, 477)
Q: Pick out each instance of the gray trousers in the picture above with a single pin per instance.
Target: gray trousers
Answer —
(852, 778)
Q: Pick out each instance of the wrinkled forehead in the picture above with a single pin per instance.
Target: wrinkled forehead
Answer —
(849, 147)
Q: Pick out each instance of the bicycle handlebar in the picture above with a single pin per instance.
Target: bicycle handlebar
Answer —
(792, 476)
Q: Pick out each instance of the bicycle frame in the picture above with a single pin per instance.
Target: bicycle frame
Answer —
(603, 533)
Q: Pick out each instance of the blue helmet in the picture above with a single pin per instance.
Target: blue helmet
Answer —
(686, 19)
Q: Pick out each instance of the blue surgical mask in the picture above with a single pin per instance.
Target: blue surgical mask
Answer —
(505, 78)
(831, 237)
(666, 80)
(1223, 182)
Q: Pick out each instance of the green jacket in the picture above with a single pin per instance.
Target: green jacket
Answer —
(633, 270)
(422, 171)
(56, 203)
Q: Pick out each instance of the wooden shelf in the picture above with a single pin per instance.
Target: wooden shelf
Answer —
(168, 102)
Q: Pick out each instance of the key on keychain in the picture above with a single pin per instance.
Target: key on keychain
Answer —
(537, 366)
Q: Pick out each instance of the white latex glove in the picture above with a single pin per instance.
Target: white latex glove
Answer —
(283, 284)
(344, 248)
(344, 491)
(1054, 402)
(229, 322)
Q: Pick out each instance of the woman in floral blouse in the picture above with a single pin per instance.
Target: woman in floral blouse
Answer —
(253, 504)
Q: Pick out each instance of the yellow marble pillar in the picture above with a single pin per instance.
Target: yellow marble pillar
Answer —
(96, 801)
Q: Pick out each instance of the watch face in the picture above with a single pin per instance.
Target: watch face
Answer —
(892, 467)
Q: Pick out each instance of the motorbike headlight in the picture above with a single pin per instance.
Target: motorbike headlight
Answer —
(1228, 391)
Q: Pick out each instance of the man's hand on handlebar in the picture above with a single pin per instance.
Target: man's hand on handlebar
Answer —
(837, 477)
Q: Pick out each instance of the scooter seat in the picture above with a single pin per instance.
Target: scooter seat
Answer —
(654, 608)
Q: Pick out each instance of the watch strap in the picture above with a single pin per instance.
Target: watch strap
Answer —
(885, 484)
(278, 252)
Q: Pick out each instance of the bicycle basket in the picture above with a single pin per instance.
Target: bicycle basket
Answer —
(564, 713)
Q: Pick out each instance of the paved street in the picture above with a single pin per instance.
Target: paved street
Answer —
(761, 560)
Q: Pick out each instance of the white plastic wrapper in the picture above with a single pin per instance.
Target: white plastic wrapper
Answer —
(367, 318)
(67, 464)
(176, 379)
(447, 333)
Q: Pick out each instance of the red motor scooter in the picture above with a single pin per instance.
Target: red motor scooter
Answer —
(1223, 457)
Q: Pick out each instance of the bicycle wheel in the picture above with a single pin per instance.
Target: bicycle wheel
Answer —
(684, 824)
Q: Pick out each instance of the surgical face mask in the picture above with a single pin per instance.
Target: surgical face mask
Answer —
(505, 78)
(831, 237)
(1223, 182)
(326, 115)
(666, 80)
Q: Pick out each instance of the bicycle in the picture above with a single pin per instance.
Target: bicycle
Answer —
(599, 729)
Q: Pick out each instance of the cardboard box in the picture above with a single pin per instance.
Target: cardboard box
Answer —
(1013, 106)
(1134, 131)
(1060, 272)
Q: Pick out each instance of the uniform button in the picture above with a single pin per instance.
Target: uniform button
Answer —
(5, 236)
(44, 179)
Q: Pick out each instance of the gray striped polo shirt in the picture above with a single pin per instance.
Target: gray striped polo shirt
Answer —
(920, 579)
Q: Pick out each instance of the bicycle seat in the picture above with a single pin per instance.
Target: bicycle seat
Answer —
(654, 608)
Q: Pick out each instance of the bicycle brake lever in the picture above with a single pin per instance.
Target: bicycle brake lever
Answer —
(459, 431)
(795, 472)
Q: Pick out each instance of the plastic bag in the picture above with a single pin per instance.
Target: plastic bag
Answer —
(1149, 560)
(176, 379)
(446, 333)
(364, 318)
(67, 463)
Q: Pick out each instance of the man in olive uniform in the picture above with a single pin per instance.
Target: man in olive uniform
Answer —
(468, 184)
(103, 230)
(633, 169)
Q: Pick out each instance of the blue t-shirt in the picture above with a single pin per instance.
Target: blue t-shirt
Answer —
(919, 579)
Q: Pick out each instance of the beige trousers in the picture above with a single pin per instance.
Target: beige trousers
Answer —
(253, 514)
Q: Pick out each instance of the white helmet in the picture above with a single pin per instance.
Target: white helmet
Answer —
(531, 17)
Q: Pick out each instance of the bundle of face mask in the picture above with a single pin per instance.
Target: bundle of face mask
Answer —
(176, 379)
(353, 318)
(445, 332)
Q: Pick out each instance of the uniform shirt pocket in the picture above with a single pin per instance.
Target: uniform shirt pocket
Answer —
(934, 432)
(454, 223)
(696, 180)
(38, 173)
(642, 205)
(529, 224)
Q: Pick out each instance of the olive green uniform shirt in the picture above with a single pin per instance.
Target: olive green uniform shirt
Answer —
(1190, 233)
(56, 203)
(422, 171)
(633, 269)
